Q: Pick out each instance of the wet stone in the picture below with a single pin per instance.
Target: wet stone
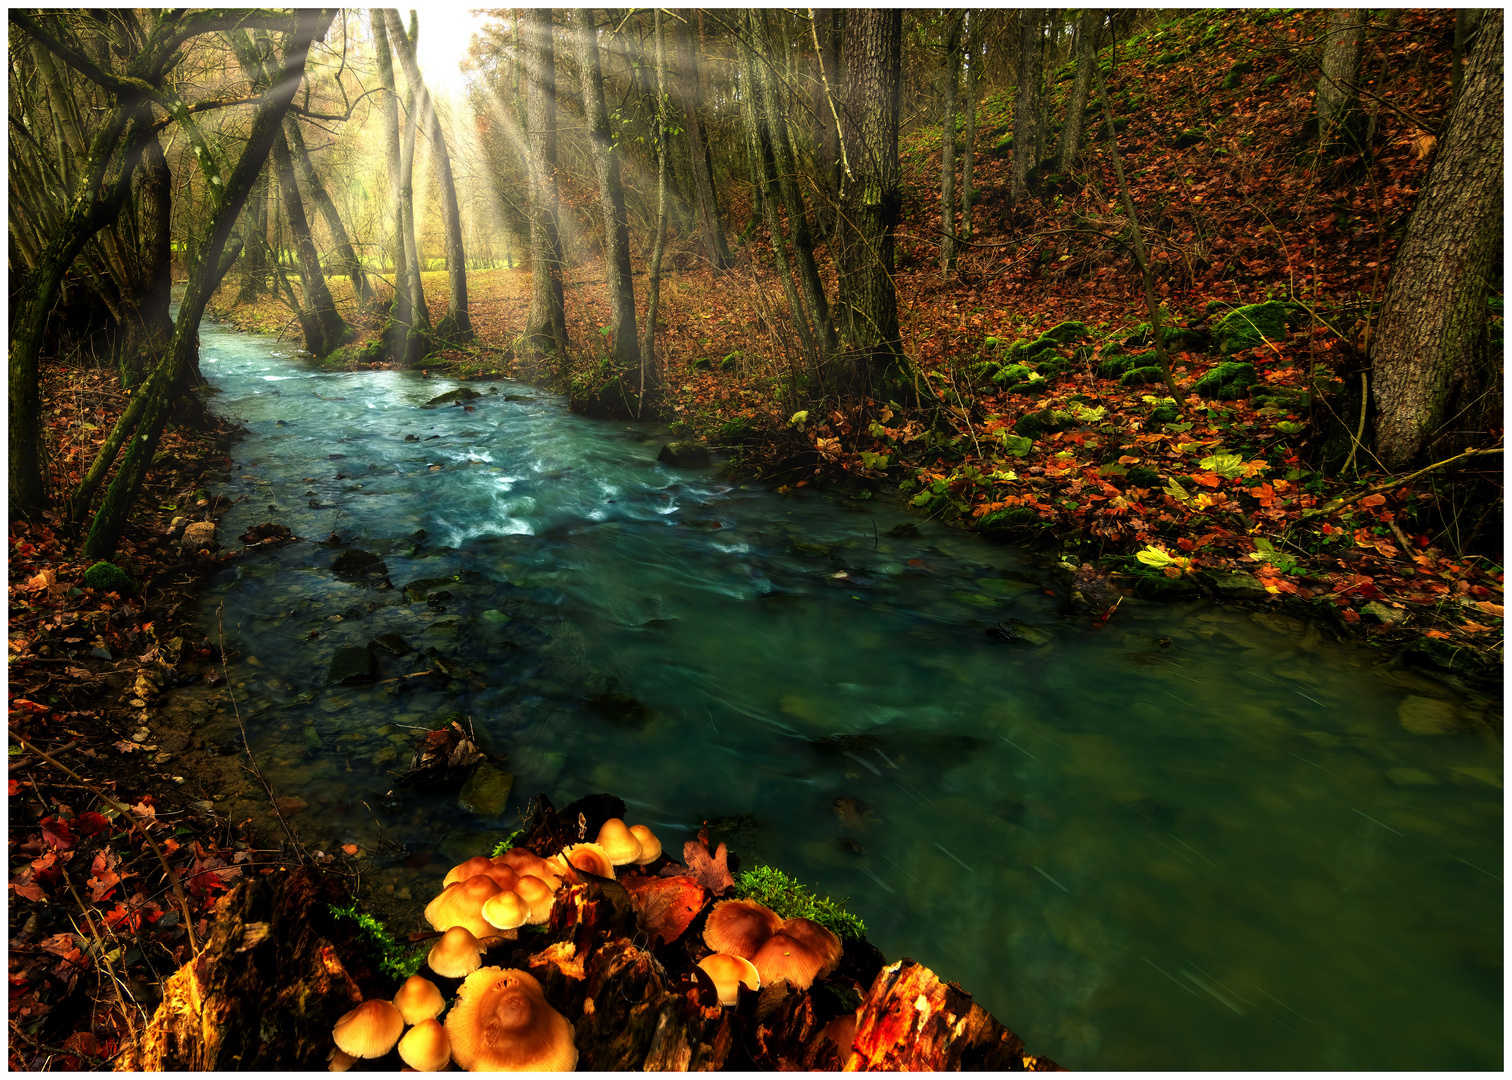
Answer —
(312, 737)
(486, 792)
(352, 664)
(1425, 716)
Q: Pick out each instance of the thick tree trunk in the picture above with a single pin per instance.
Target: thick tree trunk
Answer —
(968, 158)
(418, 332)
(710, 232)
(149, 324)
(459, 324)
(1027, 104)
(1437, 384)
(611, 196)
(546, 324)
(948, 145)
(342, 243)
(868, 298)
(323, 326)
(255, 264)
(1088, 29)
(1340, 73)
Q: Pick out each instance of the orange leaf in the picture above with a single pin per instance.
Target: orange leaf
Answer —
(666, 905)
(1206, 479)
(1373, 500)
(350, 849)
(1436, 634)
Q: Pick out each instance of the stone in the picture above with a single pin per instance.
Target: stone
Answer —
(291, 804)
(387, 756)
(391, 643)
(486, 792)
(352, 664)
(1252, 325)
(1425, 716)
(198, 536)
(1390, 616)
(461, 393)
(356, 563)
(1235, 585)
(494, 615)
(312, 737)
(1018, 632)
(685, 454)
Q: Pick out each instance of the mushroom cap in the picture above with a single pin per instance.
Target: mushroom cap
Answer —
(539, 895)
(461, 904)
(501, 1022)
(426, 1047)
(340, 1060)
(618, 842)
(506, 910)
(824, 942)
(728, 972)
(478, 864)
(842, 1032)
(419, 999)
(458, 953)
(589, 858)
(370, 1030)
(784, 958)
(740, 927)
(505, 877)
(651, 848)
(523, 862)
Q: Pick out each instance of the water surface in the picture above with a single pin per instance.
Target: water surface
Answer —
(1198, 837)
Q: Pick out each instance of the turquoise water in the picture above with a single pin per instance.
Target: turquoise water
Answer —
(1197, 837)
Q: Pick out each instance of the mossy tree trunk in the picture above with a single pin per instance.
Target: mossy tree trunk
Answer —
(546, 323)
(1437, 385)
(1088, 30)
(1027, 101)
(341, 242)
(948, 144)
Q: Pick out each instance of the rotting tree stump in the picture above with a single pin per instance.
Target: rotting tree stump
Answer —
(618, 959)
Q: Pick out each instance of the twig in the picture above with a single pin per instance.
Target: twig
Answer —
(220, 627)
(1360, 431)
(1335, 505)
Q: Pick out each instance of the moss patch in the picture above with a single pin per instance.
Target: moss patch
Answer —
(792, 899)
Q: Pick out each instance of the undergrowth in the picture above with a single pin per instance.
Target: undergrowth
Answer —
(399, 960)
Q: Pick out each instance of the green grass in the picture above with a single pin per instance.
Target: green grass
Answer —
(792, 899)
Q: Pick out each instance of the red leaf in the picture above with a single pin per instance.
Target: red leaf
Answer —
(666, 904)
(90, 823)
(56, 834)
(1206, 479)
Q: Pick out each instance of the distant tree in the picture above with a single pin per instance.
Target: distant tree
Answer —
(972, 53)
(952, 68)
(408, 319)
(546, 324)
(711, 233)
(649, 370)
(1088, 29)
(1027, 100)
(1340, 72)
(1437, 383)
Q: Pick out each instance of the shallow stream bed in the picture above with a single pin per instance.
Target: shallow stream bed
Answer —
(1199, 837)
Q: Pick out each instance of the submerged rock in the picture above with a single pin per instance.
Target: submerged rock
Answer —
(352, 664)
(486, 792)
(356, 563)
(1425, 716)
(199, 536)
(1018, 632)
(461, 393)
(1235, 586)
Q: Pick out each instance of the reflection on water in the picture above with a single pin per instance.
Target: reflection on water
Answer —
(1194, 838)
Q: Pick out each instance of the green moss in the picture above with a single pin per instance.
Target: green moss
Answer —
(398, 960)
(1228, 380)
(1252, 325)
(1009, 374)
(1023, 350)
(108, 577)
(1166, 414)
(792, 899)
(1115, 365)
(512, 840)
(1014, 518)
(1066, 332)
(1141, 376)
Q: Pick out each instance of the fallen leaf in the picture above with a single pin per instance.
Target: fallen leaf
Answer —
(711, 871)
(666, 904)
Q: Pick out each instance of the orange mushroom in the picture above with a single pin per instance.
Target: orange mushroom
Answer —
(538, 895)
(501, 1022)
(618, 842)
(461, 904)
(426, 1047)
(728, 972)
(458, 953)
(418, 999)
(506, 910)
(786, 959)
(740, 927)
(478, 864)
(524, 862)
(824, 944)
(589, 858)
(651, 847)
(370, 1030)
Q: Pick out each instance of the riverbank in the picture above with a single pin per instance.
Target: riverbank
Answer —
(1119, 493)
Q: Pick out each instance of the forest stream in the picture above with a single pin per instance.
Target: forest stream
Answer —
(1198, 837)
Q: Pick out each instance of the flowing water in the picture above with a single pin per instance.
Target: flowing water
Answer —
(1198, 837)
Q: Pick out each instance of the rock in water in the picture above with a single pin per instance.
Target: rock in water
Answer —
(684, 454)
(486, 792)
(445, 757)
(461, 393)
(352, 664)
(1425, 716)
(199, 536)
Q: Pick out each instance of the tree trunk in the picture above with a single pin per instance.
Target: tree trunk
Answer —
(255, 264)
(868, 297)
(948, 145)
(649, 369)
(150, 324)
(328, 212)
(1437, 382)
(151, 405)
(418, 332)
(546, 324)
(1340, 74)
(388, 108)
(1088, 29)
(459, 324)
(710, 232)
(323, 327)
(1027, 106)
(968, 160)
(612, 197)
(826, 27)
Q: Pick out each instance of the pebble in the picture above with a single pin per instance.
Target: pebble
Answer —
(141, 735)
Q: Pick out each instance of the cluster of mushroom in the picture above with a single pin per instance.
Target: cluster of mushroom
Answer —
(755, 946)
(500, 1019)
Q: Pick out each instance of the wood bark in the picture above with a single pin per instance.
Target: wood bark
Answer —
(1437, 385)
(606, 163)
(546, 324)
(825, 25)
(710, 231)
(255, 264)
(968, 152)
(948, 144)
(1340, 72)
(1027, 105)
(323, 326)
(340, 241)
(418, 332)
(1088, 30)
(867, 296)
(459, 323)
(649, 369)
(400, 316)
